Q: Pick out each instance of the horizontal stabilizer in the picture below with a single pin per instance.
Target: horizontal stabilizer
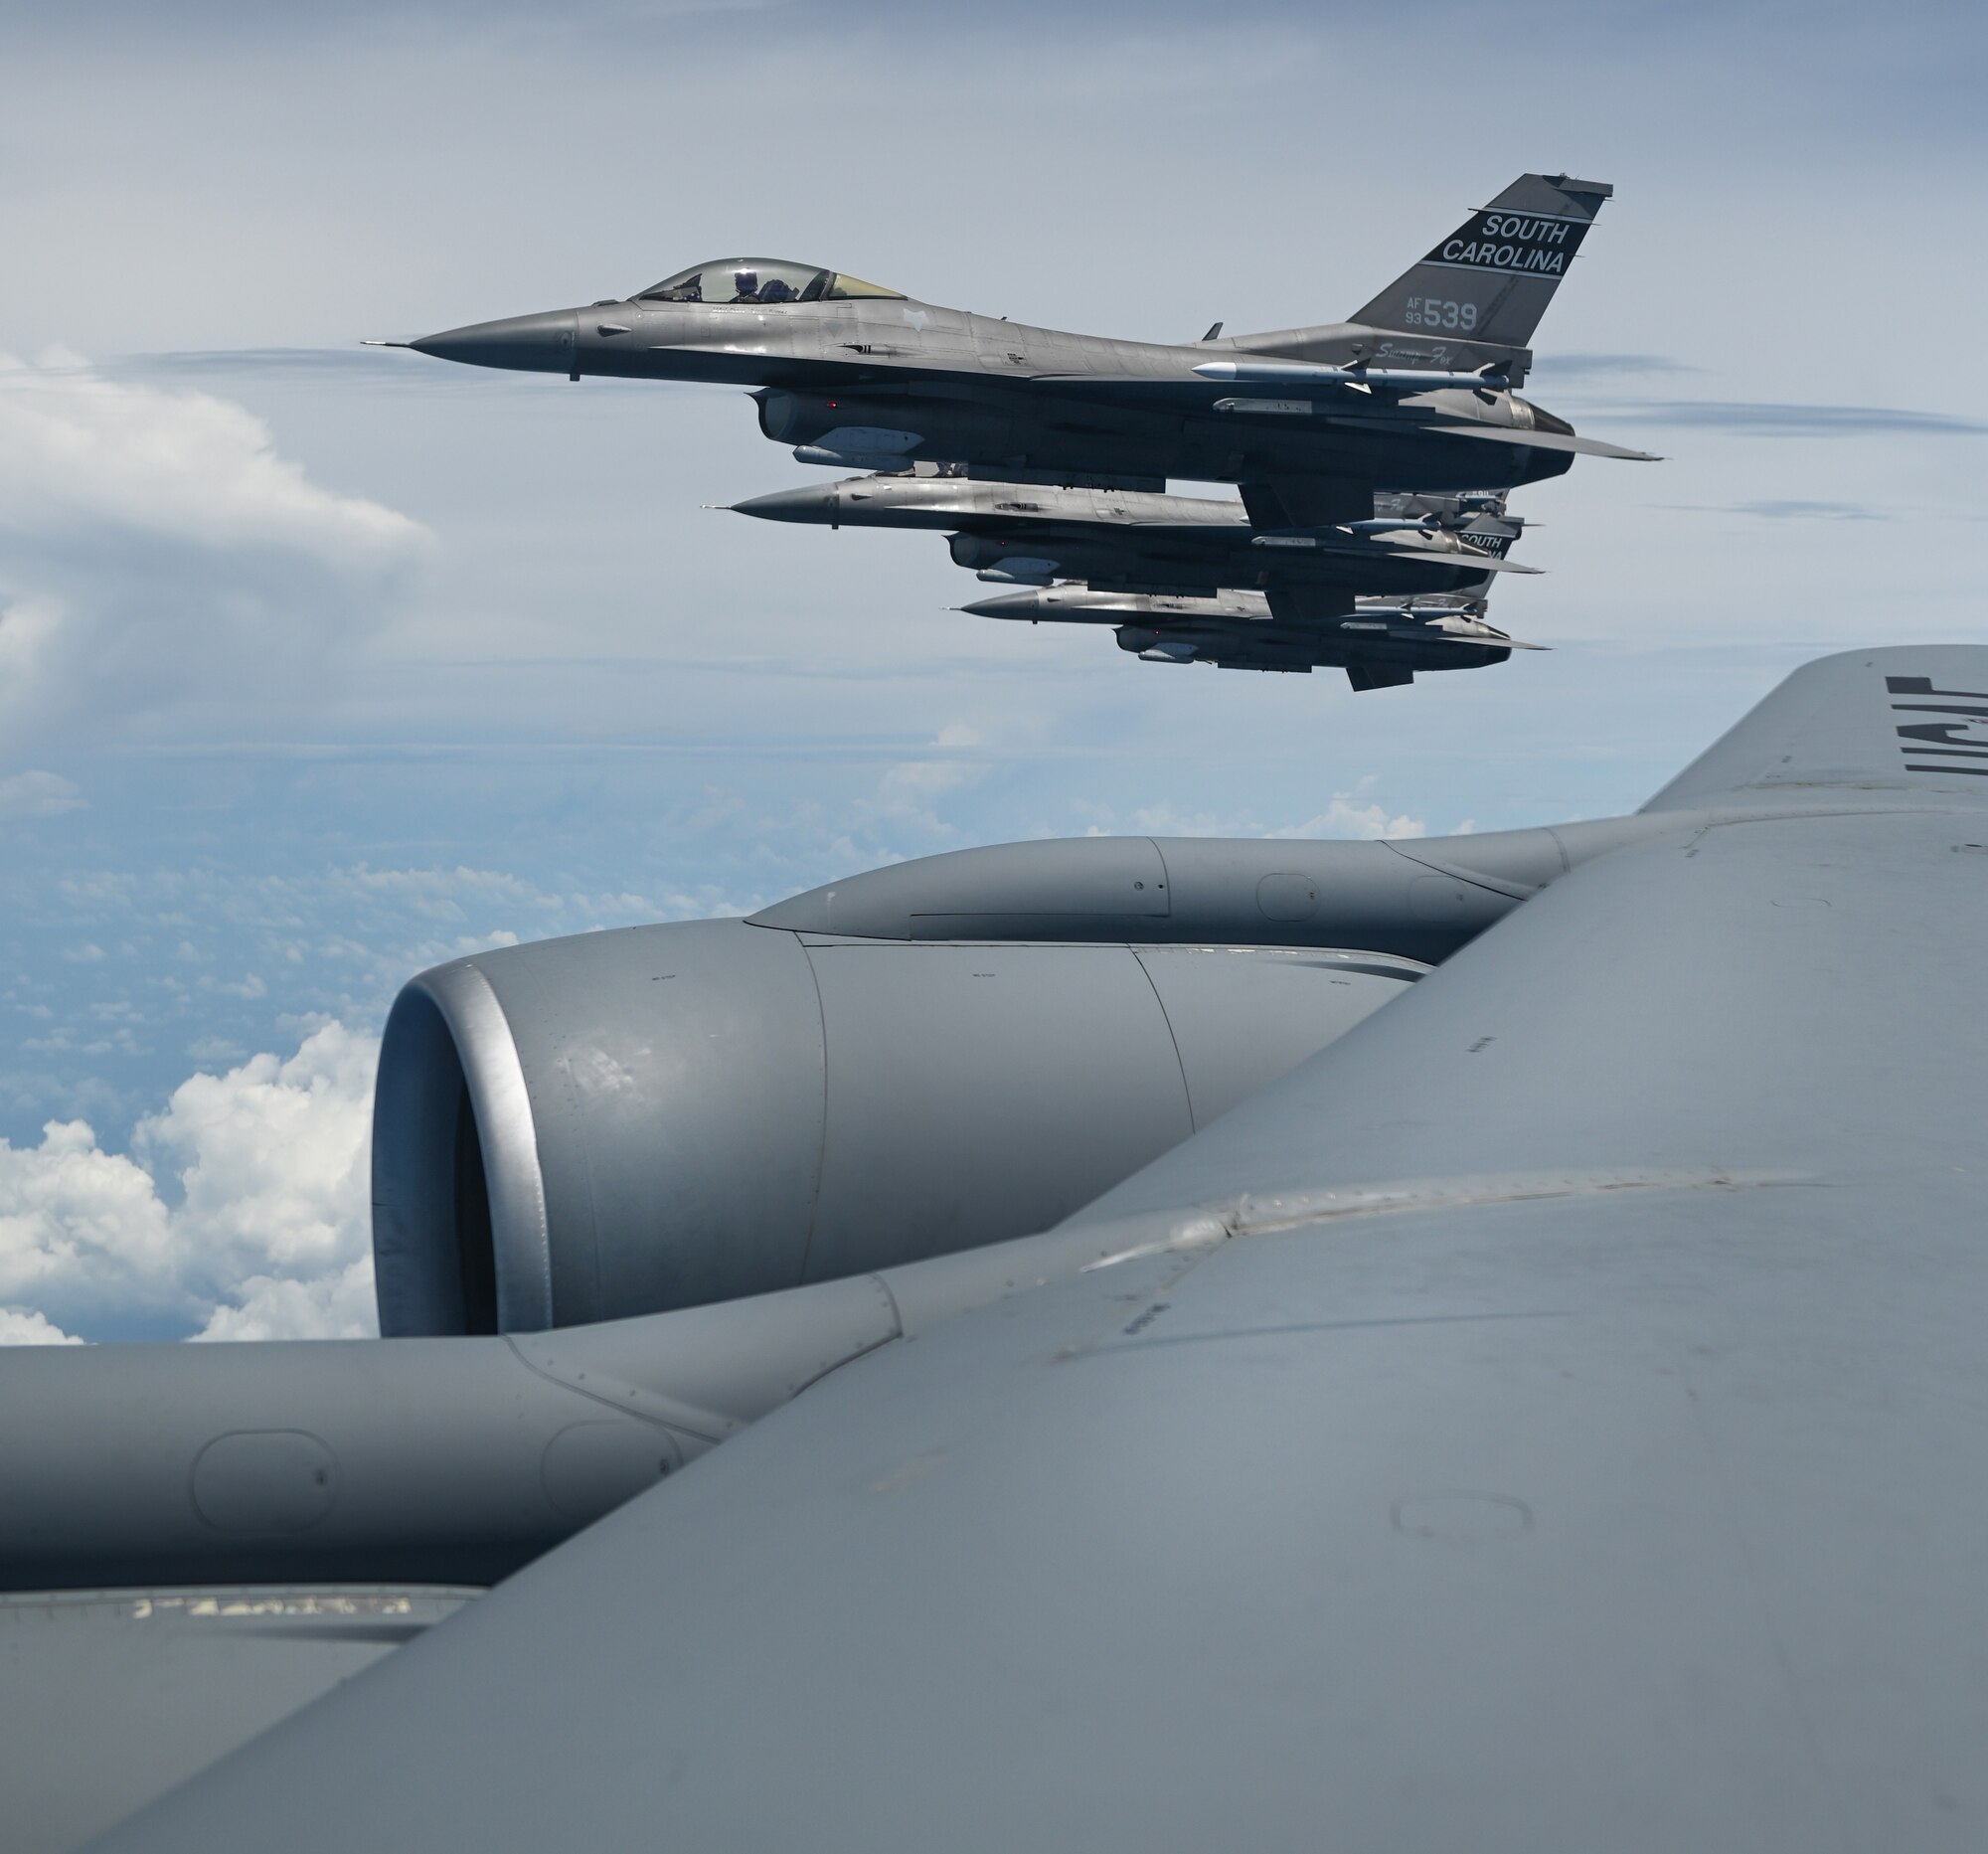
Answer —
(1544, 440)
(1434, 636)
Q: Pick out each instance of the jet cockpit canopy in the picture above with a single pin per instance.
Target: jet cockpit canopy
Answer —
(760, 279)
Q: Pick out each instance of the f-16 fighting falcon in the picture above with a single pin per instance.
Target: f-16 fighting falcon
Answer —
(1212, 588)
(1416, 393)
(1381, 644)
(1112, 1344)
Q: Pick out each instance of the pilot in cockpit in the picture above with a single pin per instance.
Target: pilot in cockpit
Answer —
(761, 281)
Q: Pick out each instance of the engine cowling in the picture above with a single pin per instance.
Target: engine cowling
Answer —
(659, 1117)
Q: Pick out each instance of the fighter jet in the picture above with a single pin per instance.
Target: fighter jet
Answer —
(1380, 644)
(1416, 393)
(1112, 1344)
(1190, 581)
(1135, 540)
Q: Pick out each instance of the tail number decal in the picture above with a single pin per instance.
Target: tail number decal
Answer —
(1436, 312)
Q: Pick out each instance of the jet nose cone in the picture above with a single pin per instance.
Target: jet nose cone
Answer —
(532, 343)
(812, 504)
(1010, 605)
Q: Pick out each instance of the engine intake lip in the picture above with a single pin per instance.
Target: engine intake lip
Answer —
(449, 1069)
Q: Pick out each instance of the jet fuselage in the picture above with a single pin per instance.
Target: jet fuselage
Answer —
(867, 382)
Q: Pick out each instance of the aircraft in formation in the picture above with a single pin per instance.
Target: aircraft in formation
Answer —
(1367, 454)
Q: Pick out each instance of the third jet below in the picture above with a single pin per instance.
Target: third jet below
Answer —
(1415, 394)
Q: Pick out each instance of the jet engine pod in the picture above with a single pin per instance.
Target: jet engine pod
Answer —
(628, 1122)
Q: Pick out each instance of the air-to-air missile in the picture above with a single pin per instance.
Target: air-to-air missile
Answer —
(1416, 393)
(1032, 534)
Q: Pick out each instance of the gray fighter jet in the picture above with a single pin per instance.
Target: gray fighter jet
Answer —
(1229, 594)
(1137, 541)
(1144, 1343)
(1416, 392)
(1380, 644)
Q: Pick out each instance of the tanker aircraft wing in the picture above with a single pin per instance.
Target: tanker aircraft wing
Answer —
(1548, 1418)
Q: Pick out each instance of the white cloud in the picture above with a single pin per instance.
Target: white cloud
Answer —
(159, 556)
(78, 451)
(908, 792)
(38, 794)
(19, 1328)
(335, 1305)
(1346, 816)
(241, 1212)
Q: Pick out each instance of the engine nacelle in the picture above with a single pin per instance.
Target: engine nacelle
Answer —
(630, 1122)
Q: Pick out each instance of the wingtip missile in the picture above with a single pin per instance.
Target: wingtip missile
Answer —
(1360, 376)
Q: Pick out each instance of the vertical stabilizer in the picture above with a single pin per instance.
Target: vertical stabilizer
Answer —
(1491, 280)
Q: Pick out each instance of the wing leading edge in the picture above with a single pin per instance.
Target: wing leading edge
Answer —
(1575, 1442)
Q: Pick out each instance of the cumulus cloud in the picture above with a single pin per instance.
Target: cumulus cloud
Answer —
(18, 1328)
(240, 1211)
(158, 555)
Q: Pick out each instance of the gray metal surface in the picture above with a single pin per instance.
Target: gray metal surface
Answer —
(343, 1459)
(1550, 1416)
(709, 1109)
(1413, 898)
(131, 1692)
(632, 1120)
(1869, 726)
(1416, 394)
(956, 1083)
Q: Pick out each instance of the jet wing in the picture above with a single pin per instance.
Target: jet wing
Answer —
(1548, 1417)
(1380, 547)
(1877, 726)
(1479, 643)
(1204, 535)
(1202, 395)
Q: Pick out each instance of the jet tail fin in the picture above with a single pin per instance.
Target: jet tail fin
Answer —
(1490, 281)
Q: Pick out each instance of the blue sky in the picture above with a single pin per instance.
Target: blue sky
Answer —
(318, 664)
